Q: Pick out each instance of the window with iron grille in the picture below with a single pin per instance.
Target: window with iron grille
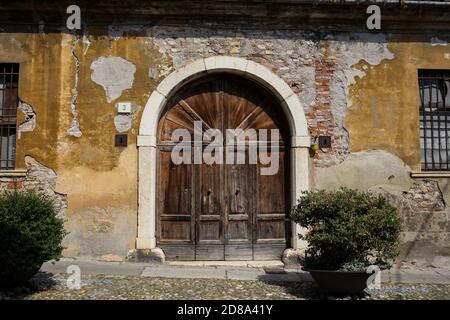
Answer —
(9, 80)
(435, 119)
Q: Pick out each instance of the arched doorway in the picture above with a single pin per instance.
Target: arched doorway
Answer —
(146, 244)
(230, 208)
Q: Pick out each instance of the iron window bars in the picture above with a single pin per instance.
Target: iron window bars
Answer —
(435, 119)
(9, 81)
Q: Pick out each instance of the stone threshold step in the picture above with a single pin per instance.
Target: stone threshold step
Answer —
(272, 264)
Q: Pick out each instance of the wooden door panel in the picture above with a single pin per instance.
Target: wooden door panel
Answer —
(272, 190)
(209, 204)
(180, 252)
(175, 231)
(210, 224)
(239, 252)
(271, 214)
(210, 231)
(175, 188)
(210, 186)
(240, 210)
(209, 252)
(239, 229)
(269, 251)
(272, 229)
(240, 193)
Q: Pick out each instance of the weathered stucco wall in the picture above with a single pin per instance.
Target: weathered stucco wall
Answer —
(361, 89)
(73, 134)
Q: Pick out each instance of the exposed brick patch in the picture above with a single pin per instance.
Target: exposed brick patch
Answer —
(425, 196)
(11, 183)
(39, 179)
(422, 207)
(320, 117)
(15, 184)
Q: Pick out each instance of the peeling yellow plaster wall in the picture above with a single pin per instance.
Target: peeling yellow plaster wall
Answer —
(41, 78)
(95, 148)
(384, 113)
(101, 203)
(99, 179)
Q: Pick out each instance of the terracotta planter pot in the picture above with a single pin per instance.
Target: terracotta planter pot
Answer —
(340, 282)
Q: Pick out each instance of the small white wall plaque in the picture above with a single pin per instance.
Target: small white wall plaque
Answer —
(123, 107)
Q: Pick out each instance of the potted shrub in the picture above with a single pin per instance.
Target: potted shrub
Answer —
(30, 234)
(348, 232)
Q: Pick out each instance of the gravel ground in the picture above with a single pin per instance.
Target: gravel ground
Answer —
(46, 286)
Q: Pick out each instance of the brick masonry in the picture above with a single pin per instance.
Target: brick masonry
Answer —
(40, 179)
(320, 117)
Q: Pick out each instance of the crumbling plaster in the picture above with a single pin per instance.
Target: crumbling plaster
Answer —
(29, 122)
(114, 74)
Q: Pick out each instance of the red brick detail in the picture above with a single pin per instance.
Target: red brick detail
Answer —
(15, 184)
(320, 118)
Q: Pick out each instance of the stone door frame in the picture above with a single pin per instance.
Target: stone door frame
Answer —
(146, 140)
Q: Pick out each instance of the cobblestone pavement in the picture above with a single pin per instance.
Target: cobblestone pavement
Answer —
(45, 286)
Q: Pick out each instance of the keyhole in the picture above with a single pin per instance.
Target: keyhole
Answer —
(325, 142)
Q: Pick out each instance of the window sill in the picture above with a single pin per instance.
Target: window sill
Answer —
(430, 174)
(13, 173)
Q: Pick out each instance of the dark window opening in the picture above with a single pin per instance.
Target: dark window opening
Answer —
(9, 83)
(435, 119)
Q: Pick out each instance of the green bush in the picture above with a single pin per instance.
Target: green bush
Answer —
(348, 230)
(30, 234)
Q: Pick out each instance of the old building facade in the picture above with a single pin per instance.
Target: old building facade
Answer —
(315, 72)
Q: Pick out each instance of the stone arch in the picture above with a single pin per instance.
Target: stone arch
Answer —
(146, 141)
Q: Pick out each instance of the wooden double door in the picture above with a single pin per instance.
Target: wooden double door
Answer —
(230, 210)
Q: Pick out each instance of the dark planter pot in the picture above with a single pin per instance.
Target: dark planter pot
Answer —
(340, 282)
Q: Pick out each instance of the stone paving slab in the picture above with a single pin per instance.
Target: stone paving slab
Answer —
(436, 276)
(260, 275)
(265, 264)
(96, 267)
(245, 274)
(184, 272)
(232, 271)
(232, 264)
